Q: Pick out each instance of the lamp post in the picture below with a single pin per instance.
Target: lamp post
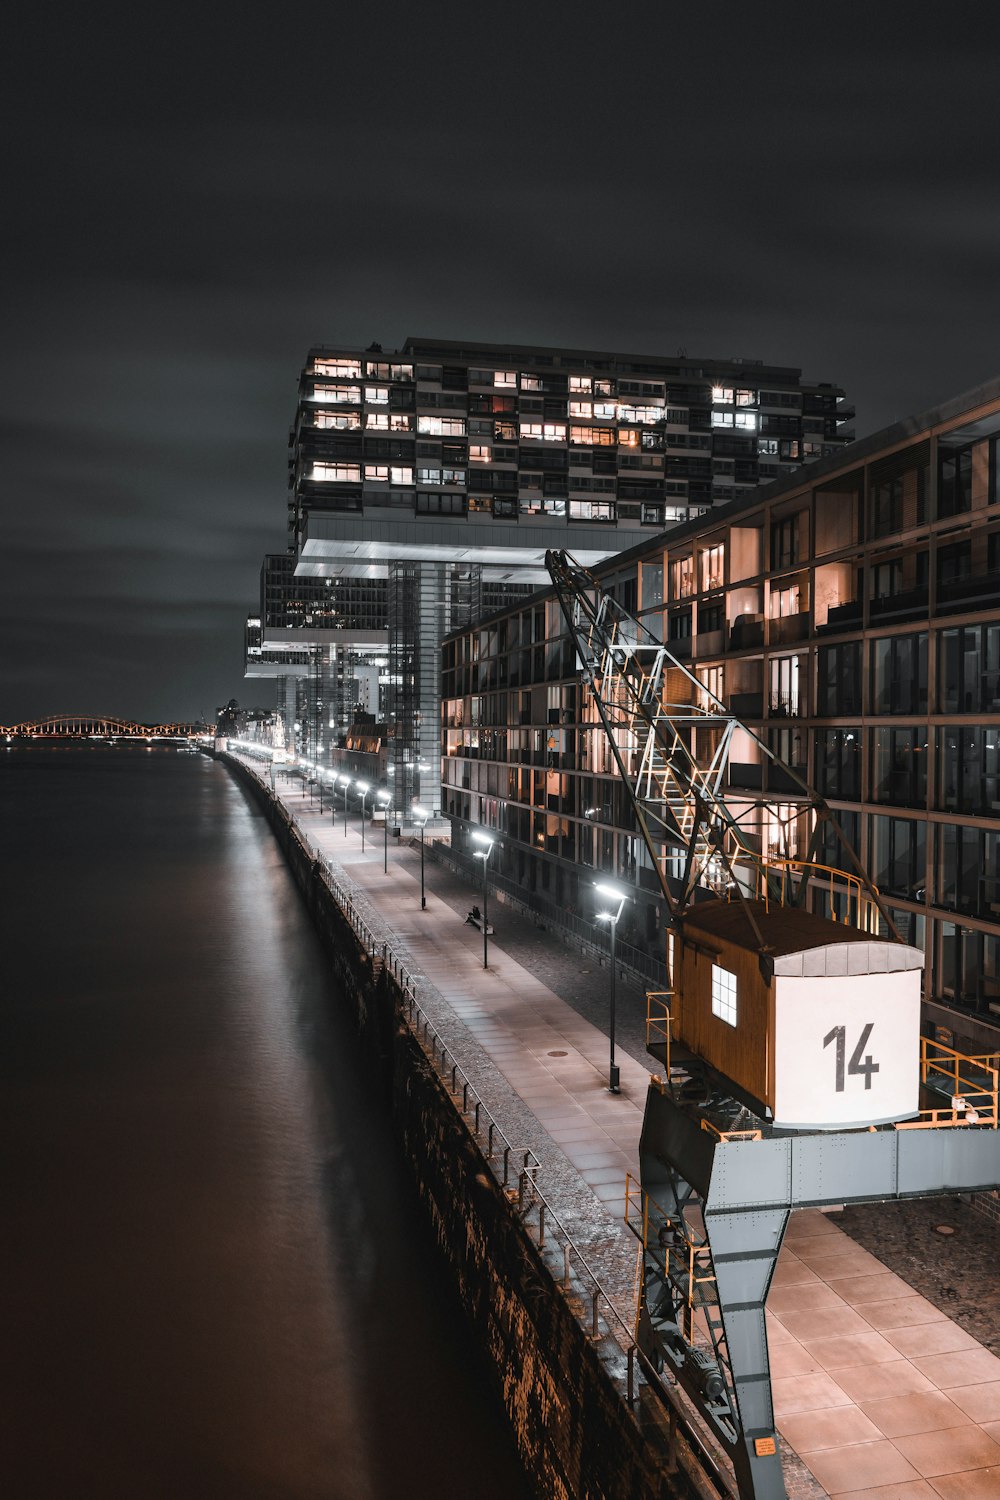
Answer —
(484, 853)
(613, 893)
(422, 814)
(345, 782)
(384, 799)
(362, 787)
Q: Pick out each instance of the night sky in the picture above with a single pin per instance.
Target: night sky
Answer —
(192, 197)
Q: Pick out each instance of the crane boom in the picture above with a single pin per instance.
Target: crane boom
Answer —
(671, 739)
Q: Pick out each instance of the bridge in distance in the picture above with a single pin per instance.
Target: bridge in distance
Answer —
(100, 727)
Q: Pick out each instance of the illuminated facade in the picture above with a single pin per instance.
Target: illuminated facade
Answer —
(850, 616)
(448, 470)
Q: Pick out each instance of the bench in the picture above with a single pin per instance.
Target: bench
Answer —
(477, 923)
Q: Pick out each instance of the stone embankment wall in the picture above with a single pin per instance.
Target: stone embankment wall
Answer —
(578, 1437)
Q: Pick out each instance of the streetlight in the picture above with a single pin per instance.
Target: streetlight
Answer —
(484, 853)
(362, 787)
(384, 799)
(345, 782)
(613, 893)
(422, 813)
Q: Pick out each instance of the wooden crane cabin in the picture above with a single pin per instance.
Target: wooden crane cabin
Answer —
(819, 1028)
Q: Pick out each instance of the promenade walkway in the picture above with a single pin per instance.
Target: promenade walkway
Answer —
(877, 1391)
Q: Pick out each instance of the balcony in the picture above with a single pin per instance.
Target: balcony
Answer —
(786, 629)
(747, 705)
(843, 616)
(900, 606)
(954, 594)
(747, 630)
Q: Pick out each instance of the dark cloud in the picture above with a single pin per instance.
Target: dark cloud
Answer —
(193, 198)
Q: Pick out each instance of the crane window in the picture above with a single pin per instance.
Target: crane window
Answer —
(724, 994)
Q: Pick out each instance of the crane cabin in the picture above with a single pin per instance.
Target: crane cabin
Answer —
(817, 1027)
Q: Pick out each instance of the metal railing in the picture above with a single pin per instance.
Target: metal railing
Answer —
(516, 1170)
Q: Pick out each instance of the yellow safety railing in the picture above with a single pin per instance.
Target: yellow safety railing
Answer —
(730, 1135)
(659, 1021)
(860, 909)
(687, 1265)
(972, 1081)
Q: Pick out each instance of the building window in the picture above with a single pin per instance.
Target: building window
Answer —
(969, 770)
(899, 766)
(969, 870)
(336, 473)
(349, 369)
(838, 763)
(724, 994)
(838, 680)
(338, 395)
(969, 670)
(900, 856)
(899, 675)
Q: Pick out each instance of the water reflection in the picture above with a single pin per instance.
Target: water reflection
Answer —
(214, 1278)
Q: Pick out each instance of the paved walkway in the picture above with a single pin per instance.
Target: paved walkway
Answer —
(878, 1391)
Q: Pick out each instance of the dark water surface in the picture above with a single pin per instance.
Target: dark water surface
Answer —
(213, 1279)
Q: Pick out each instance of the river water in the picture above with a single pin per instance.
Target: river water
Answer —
(215, 1281)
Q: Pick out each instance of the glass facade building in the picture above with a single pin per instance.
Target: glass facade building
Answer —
(442, 472)
(850, 615)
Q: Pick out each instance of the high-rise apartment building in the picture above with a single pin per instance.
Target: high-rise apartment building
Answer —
(444, 471)
(850, 616)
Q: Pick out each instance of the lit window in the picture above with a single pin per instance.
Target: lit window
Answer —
(377, 420)
(722, 395)
(723, 419)
(480, 453)
(377, 395)
(724, 994)
(747, 420)
(377, 472)
(338, 395)
(399, 421)
(605, 410)
(579, 382)
(555, 432)
(348, 369)
(452, 476)
(531, 383)
(647, 413)
(505, 379)
(628, 437)
(746, 398)
(336, 473)
(400, 476)
(401, 372)
(581, 408)
(532, 430)
(342, 421)
(441, 426)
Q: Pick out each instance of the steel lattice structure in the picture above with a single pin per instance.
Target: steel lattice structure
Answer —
(671, 739)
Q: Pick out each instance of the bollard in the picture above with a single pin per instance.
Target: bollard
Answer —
(566, 1263)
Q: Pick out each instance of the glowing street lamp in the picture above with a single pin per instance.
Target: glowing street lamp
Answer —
(363, 788)
(612, 893)
(384, 799)
(345, 782)
(421, 814)
(486, 842)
